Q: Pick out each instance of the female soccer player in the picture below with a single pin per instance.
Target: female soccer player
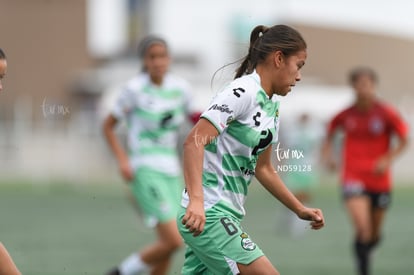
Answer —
(230, 144)
(7, 266)
(368, 126)
(154, 105)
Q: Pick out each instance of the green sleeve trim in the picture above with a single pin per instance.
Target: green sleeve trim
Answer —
(212, 122)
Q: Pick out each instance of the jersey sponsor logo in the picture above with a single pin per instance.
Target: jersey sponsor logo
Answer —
(224, 108)
(246, 242)
(247, 171)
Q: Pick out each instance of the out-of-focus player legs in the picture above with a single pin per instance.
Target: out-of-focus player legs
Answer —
(161, 267)
(155, 257)
(169, 240)
(359, 209)
(378, 215)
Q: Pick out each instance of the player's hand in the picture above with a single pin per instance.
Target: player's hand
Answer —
(314, 215)
(126, 170)
(382, 165)
(195, 218)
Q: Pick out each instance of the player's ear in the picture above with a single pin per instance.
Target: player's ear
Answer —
(278, 58)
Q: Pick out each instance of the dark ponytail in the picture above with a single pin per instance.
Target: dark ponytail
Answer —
(264, 40)
(246, 66)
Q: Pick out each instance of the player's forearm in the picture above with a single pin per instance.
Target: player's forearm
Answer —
(270, 180)
(193, 154)
(114, 143)
(326, 150)
(398, 149)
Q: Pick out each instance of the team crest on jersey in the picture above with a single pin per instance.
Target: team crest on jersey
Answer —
(247, 243)
(376, 125)
(277, 113)
(229, 120)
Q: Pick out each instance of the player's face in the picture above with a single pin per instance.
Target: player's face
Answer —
(364, 87)
(157, 60)
(3, 68)
(289, 72)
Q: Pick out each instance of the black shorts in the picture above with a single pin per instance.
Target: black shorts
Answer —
(380, 200)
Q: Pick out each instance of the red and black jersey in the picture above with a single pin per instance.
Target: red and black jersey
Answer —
(367, 138)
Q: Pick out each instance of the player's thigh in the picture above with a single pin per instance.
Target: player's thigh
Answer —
(359, 210)
(222, 244)
(261, 266)
(380, 204)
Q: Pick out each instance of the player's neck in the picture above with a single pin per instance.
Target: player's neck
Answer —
(157, 81)
(364, 104)
(265, 79)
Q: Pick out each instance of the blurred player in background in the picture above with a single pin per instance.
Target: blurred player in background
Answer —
(368, 125)
(228, 146)
(154, 104)
(7, 266)
(298, 155)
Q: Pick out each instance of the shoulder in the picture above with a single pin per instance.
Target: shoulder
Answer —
(244, 87)
(136, 83)
(339, 118)
(385, 108)
(250, 83)
(346, 112)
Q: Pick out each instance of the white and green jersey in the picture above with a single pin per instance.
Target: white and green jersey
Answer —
(247, 121)
(153, 115)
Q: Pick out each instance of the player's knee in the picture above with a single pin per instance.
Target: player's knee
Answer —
(364, 235)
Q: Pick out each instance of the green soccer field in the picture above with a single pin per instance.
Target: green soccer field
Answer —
(53, 229)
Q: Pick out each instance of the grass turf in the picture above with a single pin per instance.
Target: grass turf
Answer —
(53, 229)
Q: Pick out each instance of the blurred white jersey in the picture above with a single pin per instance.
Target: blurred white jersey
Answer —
(153, 116)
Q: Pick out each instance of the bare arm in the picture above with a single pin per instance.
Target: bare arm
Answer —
(397, 150)
(268, 177)
(201, 134)
(385, 161)
(116, 147)
(326, 153)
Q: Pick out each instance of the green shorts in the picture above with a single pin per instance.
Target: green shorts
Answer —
(157, 195)
(219, 248)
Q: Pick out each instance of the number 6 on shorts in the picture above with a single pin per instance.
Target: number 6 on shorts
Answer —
(231, 229)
